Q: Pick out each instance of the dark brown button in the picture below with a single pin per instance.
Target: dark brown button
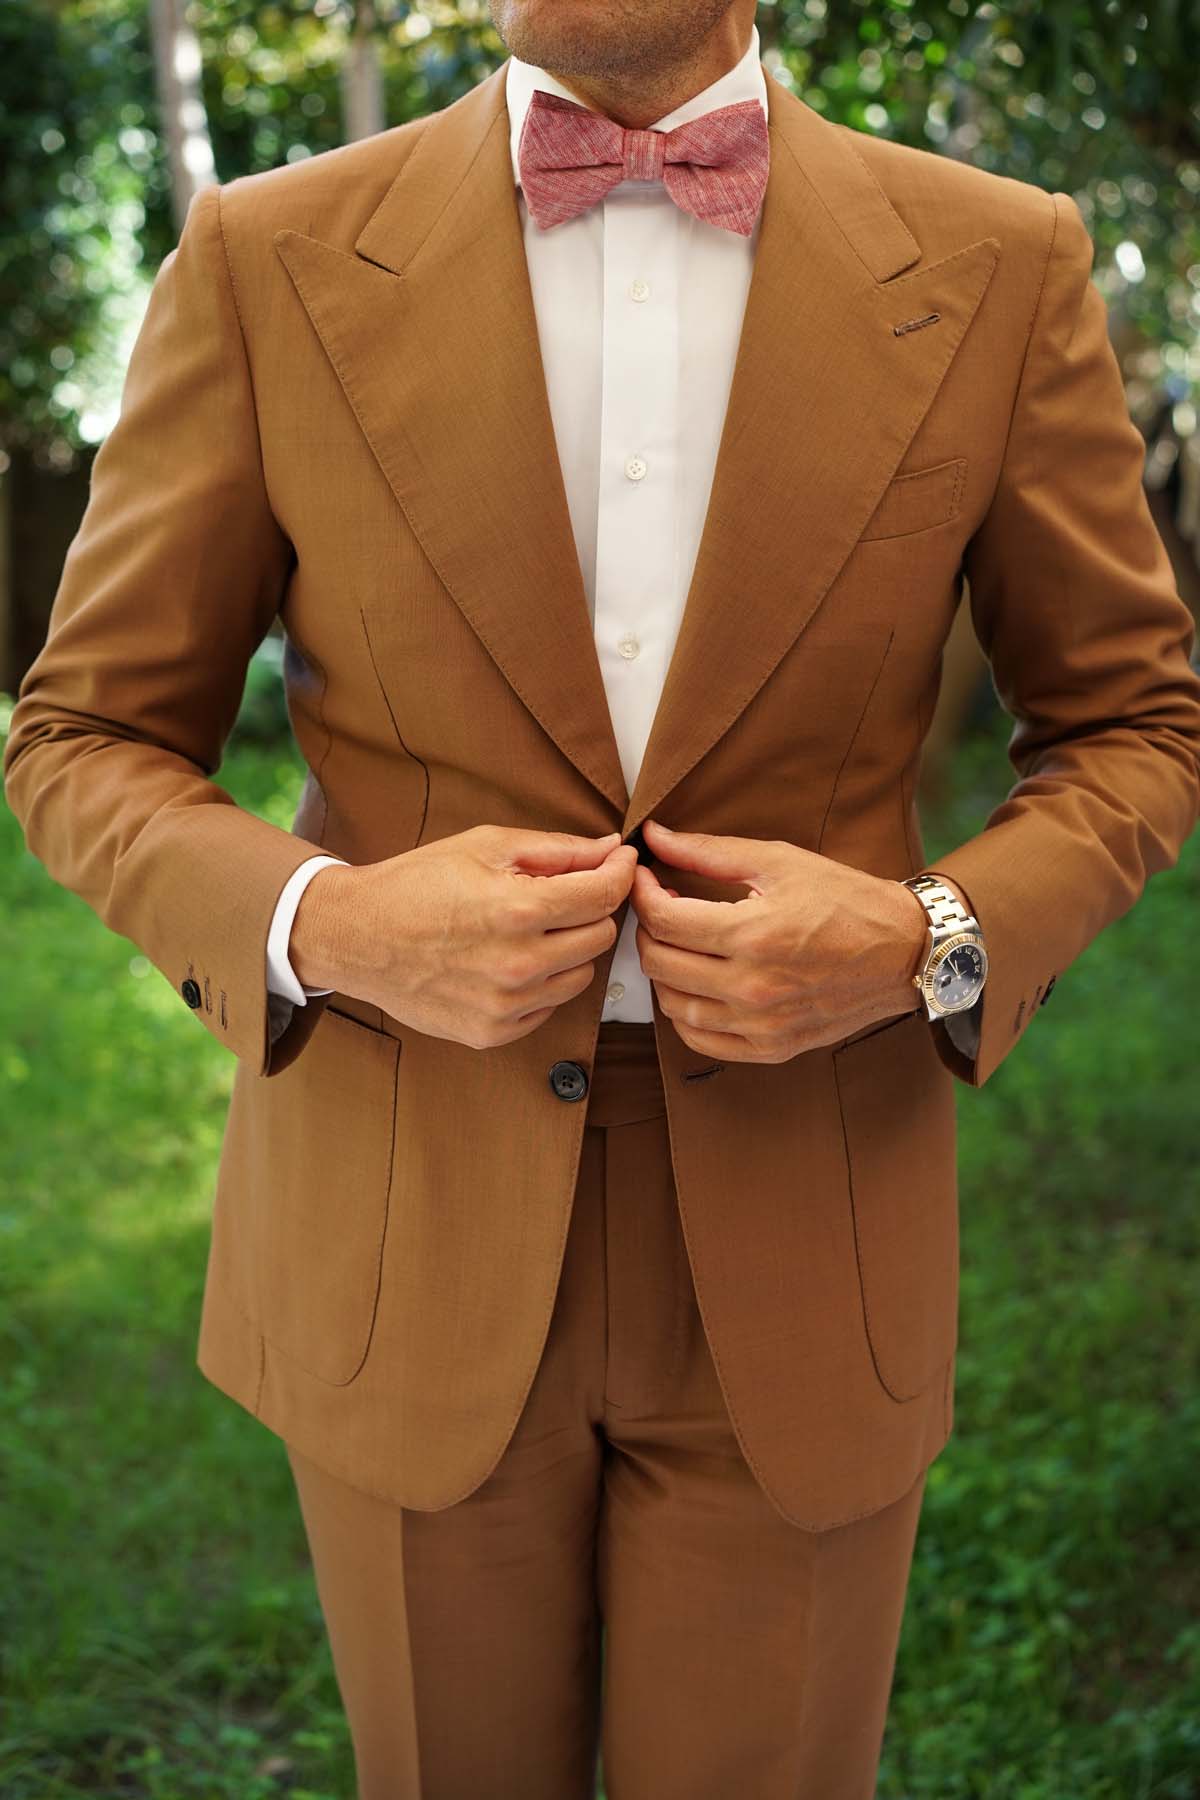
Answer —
(1049, 990)
(191, 992)
(568, 1080)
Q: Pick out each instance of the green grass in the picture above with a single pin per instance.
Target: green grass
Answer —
(1051, 1642)
(159, 1627)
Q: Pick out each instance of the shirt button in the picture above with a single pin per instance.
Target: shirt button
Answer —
(616, 990)
(640, 290)
(629, 647)
(635, 467)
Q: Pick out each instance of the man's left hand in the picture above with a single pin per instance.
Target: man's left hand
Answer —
(814, 952)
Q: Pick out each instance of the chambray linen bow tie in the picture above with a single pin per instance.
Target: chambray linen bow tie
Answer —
(714, 166)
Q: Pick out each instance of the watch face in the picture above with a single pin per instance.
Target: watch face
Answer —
(959, 977)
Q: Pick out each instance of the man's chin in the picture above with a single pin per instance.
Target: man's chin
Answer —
(570, 37)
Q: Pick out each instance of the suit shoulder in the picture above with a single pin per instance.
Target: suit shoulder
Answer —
(943, 200)
(329, 195)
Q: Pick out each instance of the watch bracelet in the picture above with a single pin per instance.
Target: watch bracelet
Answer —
(941, 903)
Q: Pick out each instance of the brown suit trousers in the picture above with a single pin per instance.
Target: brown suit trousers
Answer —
(741, 1653)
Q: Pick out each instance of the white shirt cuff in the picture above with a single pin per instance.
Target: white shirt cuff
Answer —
(281, 977)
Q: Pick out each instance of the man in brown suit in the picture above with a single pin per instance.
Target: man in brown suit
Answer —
(671, 1362)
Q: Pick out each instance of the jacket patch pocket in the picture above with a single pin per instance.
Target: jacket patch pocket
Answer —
(899, 1125)
(918, 500)
(314, 1161)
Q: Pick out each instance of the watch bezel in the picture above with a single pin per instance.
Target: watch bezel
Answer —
(938, 956)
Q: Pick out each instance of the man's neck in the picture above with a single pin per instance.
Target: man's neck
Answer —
(637, 105)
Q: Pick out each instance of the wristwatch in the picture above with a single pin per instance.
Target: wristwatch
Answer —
(956, 963)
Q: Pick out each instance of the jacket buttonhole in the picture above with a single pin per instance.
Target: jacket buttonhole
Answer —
(702, 1074)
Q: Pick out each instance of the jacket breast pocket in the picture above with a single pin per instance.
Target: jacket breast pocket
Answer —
(311, 1163)
(919, 500)
(899, 1126)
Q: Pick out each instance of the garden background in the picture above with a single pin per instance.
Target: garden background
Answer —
(159, 1631)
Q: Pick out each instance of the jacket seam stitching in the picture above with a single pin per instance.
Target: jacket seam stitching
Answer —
(887, 650)
(387, 701)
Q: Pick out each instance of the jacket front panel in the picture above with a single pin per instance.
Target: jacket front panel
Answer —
(422, 671)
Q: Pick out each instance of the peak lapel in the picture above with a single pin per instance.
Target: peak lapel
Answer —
(824, 401)
(431, 330)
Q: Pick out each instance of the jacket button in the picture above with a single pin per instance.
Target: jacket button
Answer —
(568, 1080)
(637, 839)
(1049, 990)
(191, 992)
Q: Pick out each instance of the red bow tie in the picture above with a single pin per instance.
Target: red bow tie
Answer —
(714, 166)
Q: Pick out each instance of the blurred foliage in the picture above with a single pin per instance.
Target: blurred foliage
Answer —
(1101, 101)
(263, 718)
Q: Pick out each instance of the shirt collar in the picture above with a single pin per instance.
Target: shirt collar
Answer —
(745, 81)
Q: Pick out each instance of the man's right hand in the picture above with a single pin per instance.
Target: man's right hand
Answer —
(476, 937)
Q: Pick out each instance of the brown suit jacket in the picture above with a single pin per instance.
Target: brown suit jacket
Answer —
(336, 410)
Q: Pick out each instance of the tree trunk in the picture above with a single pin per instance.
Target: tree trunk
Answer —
(183, 120)
(362, 78)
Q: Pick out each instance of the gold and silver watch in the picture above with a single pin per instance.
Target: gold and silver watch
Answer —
(956, 963)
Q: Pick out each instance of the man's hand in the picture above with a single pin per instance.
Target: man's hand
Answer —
(814, 952)
(476, 937)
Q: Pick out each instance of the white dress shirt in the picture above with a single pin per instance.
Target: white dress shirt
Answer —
(639, 311)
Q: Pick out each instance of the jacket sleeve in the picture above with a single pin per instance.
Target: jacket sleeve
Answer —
(1073, 601)
(168, 587)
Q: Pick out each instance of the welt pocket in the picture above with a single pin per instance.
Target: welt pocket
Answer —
(919, 499)
(875, 1030)
(897, 1105)
(314, 1154)
(362, 1013)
